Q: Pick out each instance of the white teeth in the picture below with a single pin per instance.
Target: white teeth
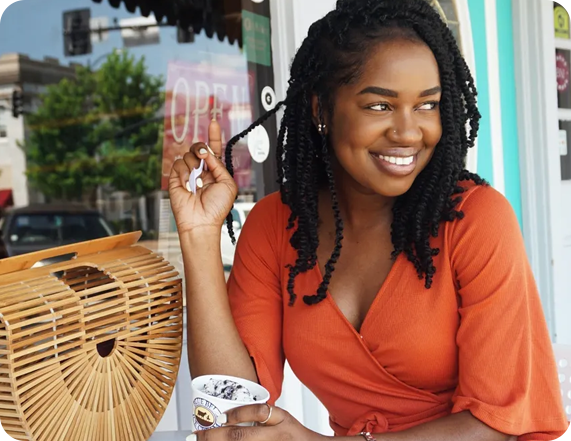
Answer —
(398, 160)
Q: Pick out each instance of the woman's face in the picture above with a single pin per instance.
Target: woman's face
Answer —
(386, 125)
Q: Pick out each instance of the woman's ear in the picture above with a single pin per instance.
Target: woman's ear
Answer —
(315, 110)
(315, 113)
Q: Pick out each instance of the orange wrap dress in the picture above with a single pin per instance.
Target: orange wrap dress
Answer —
(476, 341)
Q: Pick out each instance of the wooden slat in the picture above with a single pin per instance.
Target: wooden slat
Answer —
(26, 261)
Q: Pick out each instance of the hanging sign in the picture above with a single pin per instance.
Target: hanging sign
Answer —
(562, 67)
(561, 22)
(257, 38)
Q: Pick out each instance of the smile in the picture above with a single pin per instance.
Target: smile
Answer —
(397, 166)
(398, 160)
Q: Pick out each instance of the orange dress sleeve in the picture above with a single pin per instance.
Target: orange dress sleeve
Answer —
(507, 371)
(254, 291)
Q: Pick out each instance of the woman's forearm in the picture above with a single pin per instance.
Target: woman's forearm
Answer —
(214, 345)
(458, 427)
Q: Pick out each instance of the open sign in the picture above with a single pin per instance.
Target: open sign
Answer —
(195, 93)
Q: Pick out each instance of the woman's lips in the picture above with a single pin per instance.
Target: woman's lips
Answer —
(404, 166)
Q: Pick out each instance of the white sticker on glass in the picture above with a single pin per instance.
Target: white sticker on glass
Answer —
(259, 144)
(563, 142)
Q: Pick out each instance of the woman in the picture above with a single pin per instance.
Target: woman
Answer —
(419, 318)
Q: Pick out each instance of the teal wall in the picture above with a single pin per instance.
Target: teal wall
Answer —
(504, 25)
(509, 105)
(478, 20)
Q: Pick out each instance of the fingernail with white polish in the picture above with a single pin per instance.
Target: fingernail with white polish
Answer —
(222, 419)
(199, 183)
(188, 187)
(203, 151)
(210, 150)
(192, 437)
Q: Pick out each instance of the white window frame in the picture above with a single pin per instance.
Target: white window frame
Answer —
(467, 47)
(538, 123)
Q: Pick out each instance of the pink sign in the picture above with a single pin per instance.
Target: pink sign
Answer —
(194, 94)
(562, 73)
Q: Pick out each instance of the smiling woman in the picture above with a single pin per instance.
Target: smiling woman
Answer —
(419, 318)
(397, 125)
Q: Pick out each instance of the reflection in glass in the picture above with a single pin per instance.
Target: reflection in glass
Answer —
(448, 12)
(102, 128)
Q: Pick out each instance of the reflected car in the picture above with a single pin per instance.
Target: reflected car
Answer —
(39, 227)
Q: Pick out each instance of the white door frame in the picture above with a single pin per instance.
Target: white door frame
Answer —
(538, 124)
(467, 46)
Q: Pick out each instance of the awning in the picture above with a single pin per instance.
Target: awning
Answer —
(6, 199)
(220, 17)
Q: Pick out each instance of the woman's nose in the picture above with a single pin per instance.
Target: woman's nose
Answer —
(405, 130)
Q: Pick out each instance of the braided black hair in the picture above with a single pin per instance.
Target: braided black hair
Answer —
(333, 54)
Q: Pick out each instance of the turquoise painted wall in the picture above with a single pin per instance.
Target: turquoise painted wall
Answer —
(508, 98)
(478, 19)
(509, 105)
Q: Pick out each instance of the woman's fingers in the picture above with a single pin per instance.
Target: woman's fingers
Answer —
(235, 433)
(214, 164)
(201, 166)
(179, 175)
(256, 413)
(215, 137)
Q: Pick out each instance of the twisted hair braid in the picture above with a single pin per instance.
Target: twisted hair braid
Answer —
(334, 54)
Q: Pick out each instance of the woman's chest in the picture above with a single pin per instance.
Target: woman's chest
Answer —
(359, 275)
(409, 332)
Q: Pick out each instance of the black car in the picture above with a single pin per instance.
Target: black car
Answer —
(38, 227)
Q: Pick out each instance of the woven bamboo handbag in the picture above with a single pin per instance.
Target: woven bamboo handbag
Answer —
(89, 347)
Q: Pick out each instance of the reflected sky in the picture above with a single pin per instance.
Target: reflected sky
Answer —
(34, 28)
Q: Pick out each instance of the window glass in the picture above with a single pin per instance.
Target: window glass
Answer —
(111, 98)
(56, 229)
(447, 10)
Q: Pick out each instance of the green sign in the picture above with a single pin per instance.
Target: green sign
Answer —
(257, 38)
(561, 22)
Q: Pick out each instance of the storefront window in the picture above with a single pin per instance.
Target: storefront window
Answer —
(110, 97)
(447, 10)
(563, 69)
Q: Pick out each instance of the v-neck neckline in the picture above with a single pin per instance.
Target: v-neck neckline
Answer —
(376, 300)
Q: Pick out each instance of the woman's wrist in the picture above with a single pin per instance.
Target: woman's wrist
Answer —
(205, 235)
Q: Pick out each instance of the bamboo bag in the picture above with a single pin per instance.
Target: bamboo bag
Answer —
(89, 347)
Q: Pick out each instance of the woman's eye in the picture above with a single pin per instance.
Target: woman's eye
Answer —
(381, 107)
(429, 106)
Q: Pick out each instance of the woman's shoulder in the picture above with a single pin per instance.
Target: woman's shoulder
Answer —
(269, 208)
(488, 218)
(482, 200)
(269, 216)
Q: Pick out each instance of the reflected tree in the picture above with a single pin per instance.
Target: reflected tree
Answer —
(102, 129)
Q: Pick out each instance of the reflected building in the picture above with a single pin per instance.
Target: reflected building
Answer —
(20, 72)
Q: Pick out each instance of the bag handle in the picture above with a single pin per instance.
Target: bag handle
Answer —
(26, 261)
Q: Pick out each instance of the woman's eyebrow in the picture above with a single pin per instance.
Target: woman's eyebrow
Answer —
(379, 91)
(391, 93)
(432, 91)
